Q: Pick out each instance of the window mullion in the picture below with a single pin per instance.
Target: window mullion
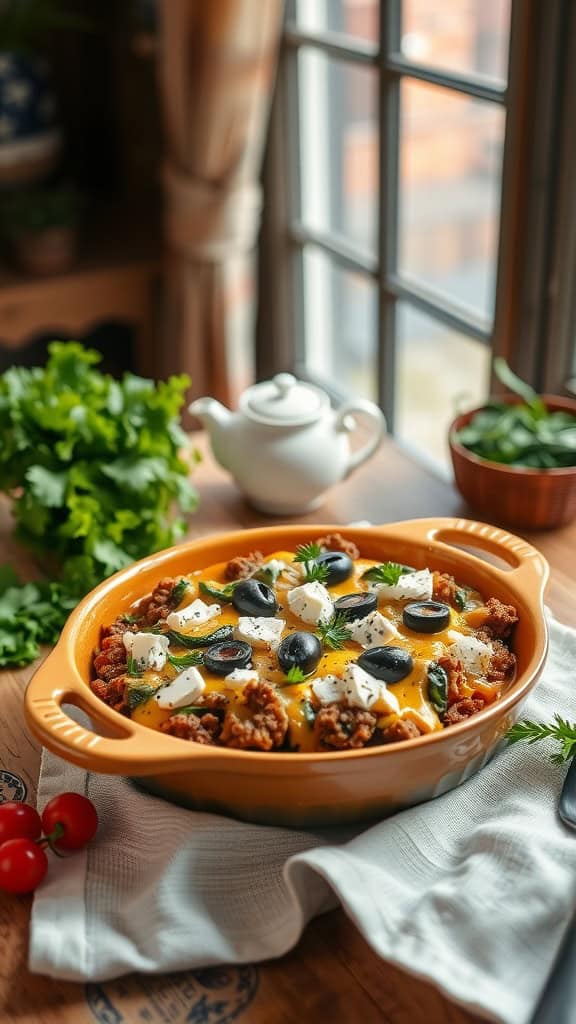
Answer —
(389, 116)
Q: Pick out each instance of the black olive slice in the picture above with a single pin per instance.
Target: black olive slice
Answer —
(300, 649)
(357, 606)
(391, 664)
(340, 566)
(426, 616)
(252, 597)
(225, 657)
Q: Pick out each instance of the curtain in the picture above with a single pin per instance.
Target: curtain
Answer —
(217, 65)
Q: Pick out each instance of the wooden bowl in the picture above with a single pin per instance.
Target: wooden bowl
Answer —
(528, 498)
(294, 789)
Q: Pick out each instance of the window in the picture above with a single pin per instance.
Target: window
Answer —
(396, 139)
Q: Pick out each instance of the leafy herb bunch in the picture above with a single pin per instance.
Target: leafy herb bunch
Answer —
(521, 434)
(94, 467)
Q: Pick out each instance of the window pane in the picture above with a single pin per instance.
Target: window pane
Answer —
(339, 147)
(450, 171)
(340, 318)
(462, 35)
(437, 371)
(358, 18)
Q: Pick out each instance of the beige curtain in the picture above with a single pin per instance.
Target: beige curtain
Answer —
(217, 65)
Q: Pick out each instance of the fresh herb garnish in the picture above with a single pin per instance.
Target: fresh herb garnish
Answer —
(313, 572)
(388, 573)
(192, 642)
(438, 687)
(130, 619)
(521, 434)
(460, 600)
(334, 633)
(295, 674)
(222, 594)
(184, 661)
(177, 593)
(560, 729)
(308, 712)
(307, 552)
(269, 572)
(138, 694)
(132, 667)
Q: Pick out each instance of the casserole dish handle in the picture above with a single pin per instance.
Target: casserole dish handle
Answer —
(119, 747)
(526, 564)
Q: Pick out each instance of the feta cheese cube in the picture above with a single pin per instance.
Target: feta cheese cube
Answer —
(359, 688)
(193, 614)
(148, 650)
(412, 586)
(183, 690)
(474, 654)
(387, 702)
(311, 602)
(259, 630)
(327, 689)
(240, 676)
(371, 631)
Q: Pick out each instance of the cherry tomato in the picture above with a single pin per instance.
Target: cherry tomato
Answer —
(23, 865)
(76, 815)
(19, 820)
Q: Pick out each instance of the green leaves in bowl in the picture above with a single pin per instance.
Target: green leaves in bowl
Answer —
(525, 434)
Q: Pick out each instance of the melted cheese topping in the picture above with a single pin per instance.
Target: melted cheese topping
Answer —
(410, 692)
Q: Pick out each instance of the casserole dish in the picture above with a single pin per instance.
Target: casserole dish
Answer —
(299, 789)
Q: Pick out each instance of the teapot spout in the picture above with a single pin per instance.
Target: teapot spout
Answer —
(217, 420)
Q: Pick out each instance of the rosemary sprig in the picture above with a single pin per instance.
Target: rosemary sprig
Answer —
(388, 573)
(177, 593)
(334, 633)
(307, 552)
(315, 572)
(222, 594)
(185, 660)
(559, 729)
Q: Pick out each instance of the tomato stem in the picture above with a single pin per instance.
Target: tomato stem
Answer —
(49, 840)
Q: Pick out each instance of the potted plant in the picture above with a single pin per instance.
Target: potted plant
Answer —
(40, 226)
(514, 458)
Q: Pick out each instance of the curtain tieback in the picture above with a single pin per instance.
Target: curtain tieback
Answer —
(207, 222)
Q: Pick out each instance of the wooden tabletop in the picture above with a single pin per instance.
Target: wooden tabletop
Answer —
(332, 974)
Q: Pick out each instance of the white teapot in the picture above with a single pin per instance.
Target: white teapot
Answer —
(286, 446)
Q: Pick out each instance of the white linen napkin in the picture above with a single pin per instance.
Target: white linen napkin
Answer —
(471, 891)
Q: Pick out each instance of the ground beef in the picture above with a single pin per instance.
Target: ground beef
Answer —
(456, 676)
(462, 709)
(119, 627)
(443, 587)
(200, 729)
(336, 542)
(214, 700)
(500, 619)
(343, 728)
(112, 693)
(244, 566)
(110, 660)
(401, 729)
(158, 605)
(269, 723)
(502, 663)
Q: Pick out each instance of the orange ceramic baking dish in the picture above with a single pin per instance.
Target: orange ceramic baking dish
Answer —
(297, 789)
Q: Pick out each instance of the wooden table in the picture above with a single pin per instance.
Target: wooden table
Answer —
(332, 974)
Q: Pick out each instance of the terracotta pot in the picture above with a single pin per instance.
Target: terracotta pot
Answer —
(294, 789)
(527, 498)
(52, 251)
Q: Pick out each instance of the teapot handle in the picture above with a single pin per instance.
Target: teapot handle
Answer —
(345, 421)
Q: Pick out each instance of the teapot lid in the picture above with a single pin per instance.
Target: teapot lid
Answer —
(284, 401)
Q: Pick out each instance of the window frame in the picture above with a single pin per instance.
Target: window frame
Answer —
(280, 326)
